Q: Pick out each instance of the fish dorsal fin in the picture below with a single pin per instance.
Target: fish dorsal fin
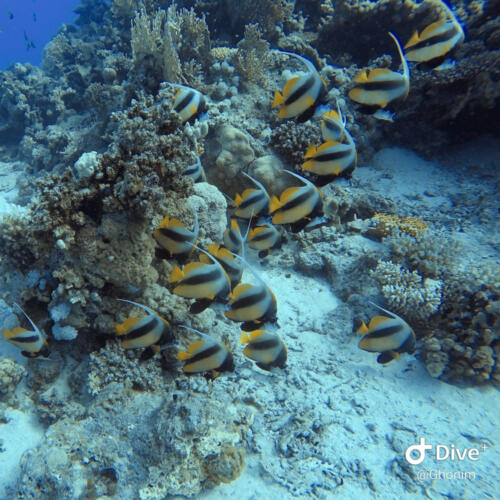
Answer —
(363, 329)
(213, 248)
(278, 99)
(361, 77)
(234, 225)
(332, 114)
(177, 94)
(237, 200)
(429, 31)
(289, 85)
(205, 259)
(8, 334)
(328, 144)
(413, 40)
(309, 65)
(256, 334)
(391, 314)
(406, 69)
(274, 204)
(191, 350)
(246, 193)
(35, 328)
(376, 321)
(193, 266)
(165, 222)
(311, 151)
(224, 253)
(239, 290)
(244, 338)
(122, 328)
(256, 182)
(176, 274)
(379, 73)
(287, 194)
(176, 223)
(142, 306)
(256, 230)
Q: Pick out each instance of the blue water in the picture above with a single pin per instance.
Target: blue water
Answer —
(38, 19)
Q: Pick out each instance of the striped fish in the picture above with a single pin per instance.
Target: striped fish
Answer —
(331, 160)
(379, 87)
(173, 236)
(206, 355)
(264, 238)
(232, 266)
(252, 203)
(297, 206)
(265, 348)
(31, 342)
(301, 94)
(252, 304)
(435, 41)
(333, 125)
(233, 240)
(388, 336)
(189, 103)
(195, 171)
(205, 282)
(151, 331)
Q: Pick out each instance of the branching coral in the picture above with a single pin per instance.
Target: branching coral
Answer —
(407, 292)
(253, 54)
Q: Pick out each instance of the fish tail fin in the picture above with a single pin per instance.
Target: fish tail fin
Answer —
(175, 275)
(278, 99)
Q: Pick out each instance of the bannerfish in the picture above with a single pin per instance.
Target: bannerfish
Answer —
(31, 342)
(379, 87)
(252, 203)
(333, 125)
(252, 304)
(435, 41)
(302, 94)
(206, 355)
(232, 266)
(264, 238)
(300, 207)
(201, 281)
(149, 332)
(331, 160)
(387, 336)
(189, 103)
(175, 239)
(265, 348)
(195, 171)
(233, 239)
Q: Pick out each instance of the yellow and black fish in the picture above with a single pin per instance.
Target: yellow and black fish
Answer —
(195, 171)
(175, 239)
(232, 266)
(299, 207)
(264, 238)
(201, 281)
(379, 87)
(302, 94)
(252, 304)
(433, 44)
(189, 103)
(265, 348)
(233, 240)
(149, 332)
(252, 203)
(31, 342)
(333, 125)
(331, 160)
(387, 336)
(206, 355)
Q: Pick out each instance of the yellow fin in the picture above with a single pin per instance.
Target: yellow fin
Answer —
(331, 114)
(413, 40)
(278, 99)
(192, 266)
(287, 194)
(175, 275)
(8, 334)
(122, 328)
(363, 329)
(237, 200)
(244, 338)
(377, 72)
(274, 204)
(361, 77)
(240, 289)
(311, 151)
(213, 248)
(377, 320)
(256, 334)
(165, 222)
(432, 27)
(328, 144)
(289, 85)
(205, 259)
(194, 346)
